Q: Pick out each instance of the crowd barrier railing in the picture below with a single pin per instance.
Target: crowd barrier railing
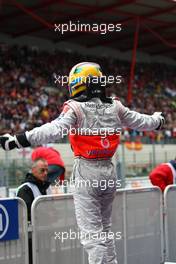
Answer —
(137, 226)
(143, 225)
(170, 222)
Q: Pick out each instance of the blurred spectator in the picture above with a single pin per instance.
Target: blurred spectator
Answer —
(34, 185)
(56, 167)
(164, 174)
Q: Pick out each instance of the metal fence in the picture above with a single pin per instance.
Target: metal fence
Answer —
(139, 213)
(170, 222)
(53, 219)
(136, 224)
(143, 224)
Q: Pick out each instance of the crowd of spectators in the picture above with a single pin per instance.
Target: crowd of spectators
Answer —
(30, 97)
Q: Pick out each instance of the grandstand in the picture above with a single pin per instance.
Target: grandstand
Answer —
(26, 102)
(141, 49)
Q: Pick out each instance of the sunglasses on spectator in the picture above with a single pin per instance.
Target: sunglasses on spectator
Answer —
(42, 170)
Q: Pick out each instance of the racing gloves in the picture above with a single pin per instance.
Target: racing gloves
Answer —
(9, 142)
(161, 118)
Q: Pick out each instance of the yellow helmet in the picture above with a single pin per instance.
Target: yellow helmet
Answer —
(79, 74)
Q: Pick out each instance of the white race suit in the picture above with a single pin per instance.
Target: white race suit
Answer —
(93, 204)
